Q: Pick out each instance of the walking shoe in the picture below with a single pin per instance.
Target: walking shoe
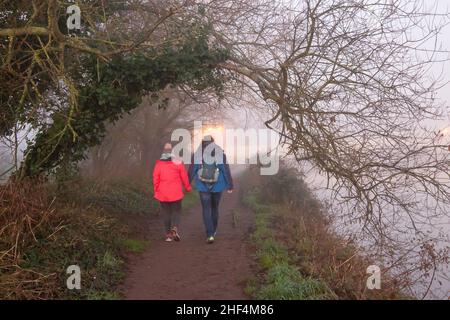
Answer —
(169, 237)
(175, 234)
(210, 240)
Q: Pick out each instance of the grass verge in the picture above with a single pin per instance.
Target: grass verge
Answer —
(279, 277)
(298, 254)
(45, 230)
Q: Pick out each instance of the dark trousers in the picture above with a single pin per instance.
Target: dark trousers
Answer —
(210, 204)
(171, 214)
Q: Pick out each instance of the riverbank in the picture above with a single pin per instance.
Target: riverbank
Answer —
(298, 254)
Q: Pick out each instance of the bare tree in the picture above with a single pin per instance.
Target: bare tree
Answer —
(349, 88)
(347, 84)
(37, 50)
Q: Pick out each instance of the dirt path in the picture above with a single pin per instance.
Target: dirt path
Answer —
(192, 269)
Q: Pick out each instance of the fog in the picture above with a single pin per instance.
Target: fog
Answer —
(246, 115)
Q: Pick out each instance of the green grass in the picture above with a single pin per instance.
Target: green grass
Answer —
(109, 260)
(135, 246)
(271, 253)
(284, 282)
(280, 279)
(252, 287)
(102, 295)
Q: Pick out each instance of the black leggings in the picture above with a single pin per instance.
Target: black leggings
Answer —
(171, 214)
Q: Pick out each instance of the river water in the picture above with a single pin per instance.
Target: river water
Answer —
(440, 286)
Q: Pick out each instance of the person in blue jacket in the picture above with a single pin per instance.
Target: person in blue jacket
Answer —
(211, 173)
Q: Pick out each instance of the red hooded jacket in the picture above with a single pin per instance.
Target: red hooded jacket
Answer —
(169, 176)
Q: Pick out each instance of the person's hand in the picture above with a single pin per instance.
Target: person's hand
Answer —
(230, 190)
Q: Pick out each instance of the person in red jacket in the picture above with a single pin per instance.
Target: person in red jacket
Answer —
(169, 177)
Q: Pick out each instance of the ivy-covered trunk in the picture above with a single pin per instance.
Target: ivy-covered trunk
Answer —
(108, 90)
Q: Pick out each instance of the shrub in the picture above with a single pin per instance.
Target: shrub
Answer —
(40, 238)
(131, 197)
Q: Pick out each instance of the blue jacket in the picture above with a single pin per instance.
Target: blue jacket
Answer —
(224, 182)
